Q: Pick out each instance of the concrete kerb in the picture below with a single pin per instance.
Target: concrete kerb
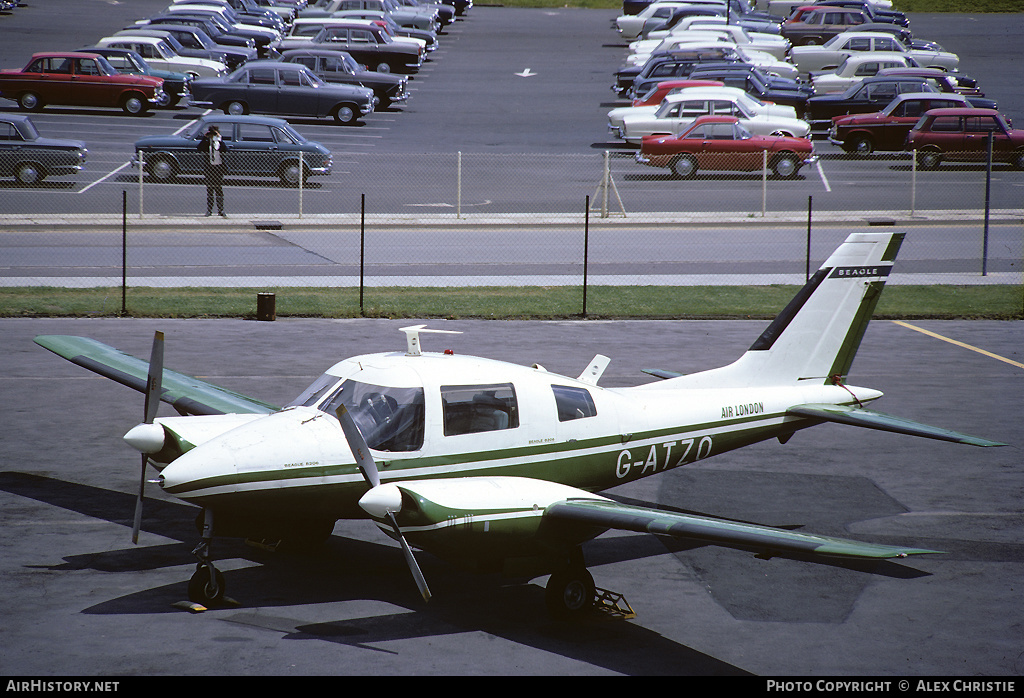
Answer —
(252, 222)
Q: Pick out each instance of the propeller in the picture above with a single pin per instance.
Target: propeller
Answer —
(382, 500)
(153, 387)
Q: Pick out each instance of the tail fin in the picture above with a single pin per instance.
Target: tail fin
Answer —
(817, 335)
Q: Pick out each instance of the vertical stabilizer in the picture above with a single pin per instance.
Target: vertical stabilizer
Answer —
(817, 335)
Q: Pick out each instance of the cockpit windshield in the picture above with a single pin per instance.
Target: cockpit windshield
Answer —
(390, 419)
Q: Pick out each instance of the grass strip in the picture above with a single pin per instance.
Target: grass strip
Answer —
(1001, 302)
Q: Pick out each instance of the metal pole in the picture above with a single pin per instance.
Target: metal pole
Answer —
(913, 180)
(764, 182)
(302, 180)
(362, 246)
(141, 168)
(124, 251)
(586, 251)
(458, 187)
(988, 193)
(807, 271)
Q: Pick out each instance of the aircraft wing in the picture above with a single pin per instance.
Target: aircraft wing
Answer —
(764, 540)
(860, 417)
(188, 395)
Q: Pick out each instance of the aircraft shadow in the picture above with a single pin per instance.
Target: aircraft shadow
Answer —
(352, 569)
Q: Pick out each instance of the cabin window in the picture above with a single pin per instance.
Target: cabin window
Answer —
(390, 419)
(471, 409)
(573, 403)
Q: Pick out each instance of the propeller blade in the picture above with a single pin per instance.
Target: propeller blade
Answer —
(366, 464)
(154, 382)
(410, 559)
(358, 445)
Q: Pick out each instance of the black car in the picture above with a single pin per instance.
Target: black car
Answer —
(128, 61)
(869, 95)
(29, 157)
(754, 81)
(369, 44)
(340, 67)
(219, 31)
(669, 64)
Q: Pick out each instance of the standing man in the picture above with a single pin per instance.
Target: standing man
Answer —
(214, 168)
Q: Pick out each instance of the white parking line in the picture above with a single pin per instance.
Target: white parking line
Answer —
(821, 173)
(114, 172)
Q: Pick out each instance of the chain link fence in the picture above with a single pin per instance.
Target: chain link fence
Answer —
(508, 220)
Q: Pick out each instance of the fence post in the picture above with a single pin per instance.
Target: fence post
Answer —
(124, 252)
(913, 180)
(764, 182)
(302, 180)
(807, 268)
(141, 170)
(362, 247)
(988, 193)
(586, 253)
(458, 186)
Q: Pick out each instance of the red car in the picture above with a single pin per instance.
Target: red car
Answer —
(721, 143)
(657, 93)
(887, 130)
(78, 79)
(962, 134)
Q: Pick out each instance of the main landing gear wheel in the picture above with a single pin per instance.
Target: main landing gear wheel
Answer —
(569, 593)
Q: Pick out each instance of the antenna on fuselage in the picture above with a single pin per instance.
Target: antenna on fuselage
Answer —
(412, 338)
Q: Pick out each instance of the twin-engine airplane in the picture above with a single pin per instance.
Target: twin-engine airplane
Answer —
(484, 461)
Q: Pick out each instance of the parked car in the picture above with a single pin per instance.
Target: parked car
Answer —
(887, 130)
(159, 54)
(813, 25)
(368, 44)
(216, 29)
(30, 158)
(955, 82)
(78, 79)
(772, 44)
(229, 56)
(757, 83)
(401, 14)
(680, 110)
(720, 143)
(272, 87)
(305, 30)
(962, 134)
(255, 146)
(340, 67)
(872, 94)
(427, 36)
(652, 100)
(810, 59)
(674, 65)
(130, 63)
(855, 68)
(874, 12)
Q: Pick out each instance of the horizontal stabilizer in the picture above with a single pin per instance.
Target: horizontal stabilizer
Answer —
(661, 373)
(188, 395)
(860, 417)
(764, 540)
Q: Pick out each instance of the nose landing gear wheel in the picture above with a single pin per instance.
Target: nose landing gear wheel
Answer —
(569, 593)
(206, 586)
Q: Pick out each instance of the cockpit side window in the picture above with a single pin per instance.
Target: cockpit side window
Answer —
(390, 419)
(573, 403)
(470, 409)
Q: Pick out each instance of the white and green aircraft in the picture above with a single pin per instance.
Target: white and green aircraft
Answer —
(484, 461)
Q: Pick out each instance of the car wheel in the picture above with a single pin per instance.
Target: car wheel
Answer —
(134, 105)
(861, 145)
(165, 100)
(29, 101)
(345, 114)
(684, 166)
(29, 173)
(236, 108)
(383, 67)
(929, 159)
(162, 168)
(1018, 160)
(786, 166)
(289, 173)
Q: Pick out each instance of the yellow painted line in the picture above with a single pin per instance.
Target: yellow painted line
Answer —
(959, 344)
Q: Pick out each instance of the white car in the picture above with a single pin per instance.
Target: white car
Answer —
(159, 54)
(855, 68)
(766, 62)
(633, 26)
(773, 44)
(678, 111)
(231, 18)
(829, 55)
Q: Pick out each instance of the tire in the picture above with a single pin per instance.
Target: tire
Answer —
(861, 145)
(289, 173)
(786, 166)
(236, 108)
(383, 67)
(684, 166)
(199, 588)
(569, 594)
(1017, 160)
(929, 159)
(134, 104)
(30, 101)
(29, 173)
(346, 114)
(162, 168)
